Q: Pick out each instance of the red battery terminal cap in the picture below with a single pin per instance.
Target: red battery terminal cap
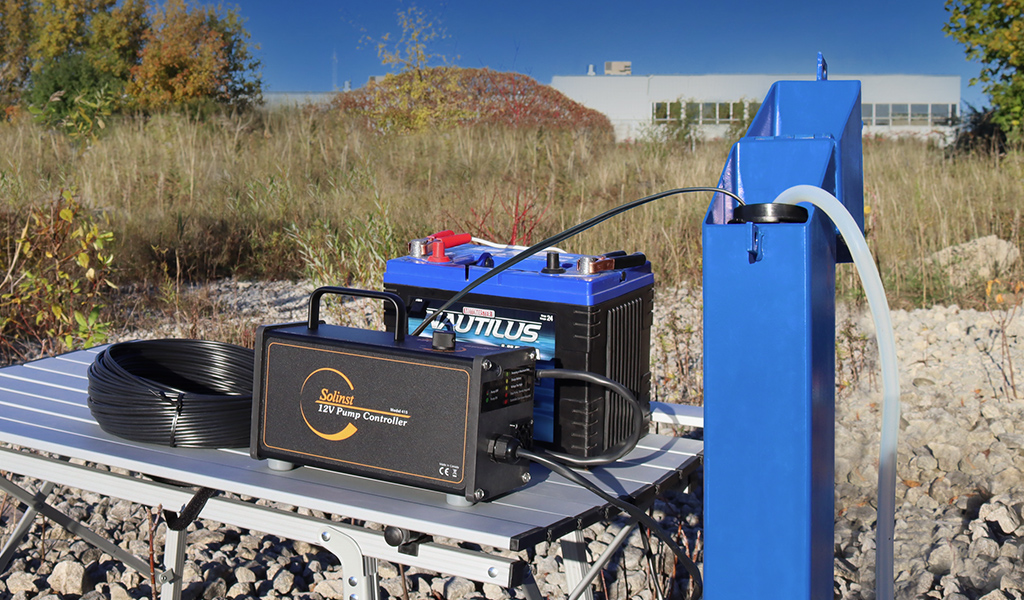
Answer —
(439, 245)
(437, 253)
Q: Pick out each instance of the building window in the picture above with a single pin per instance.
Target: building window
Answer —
(692, 112)
(878, 115)
(707, 112)
(703, 113)
(667, 112)
(730, 112)
(675, 111)
(660, 112)
(919, 114)
(752, 109)
(943, 114)
(900, 114)
(696, 113)
(882, 114)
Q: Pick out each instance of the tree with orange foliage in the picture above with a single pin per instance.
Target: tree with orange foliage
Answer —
(193, 57)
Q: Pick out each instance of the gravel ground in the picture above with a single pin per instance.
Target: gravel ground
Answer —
(960, 493)
(960, 459)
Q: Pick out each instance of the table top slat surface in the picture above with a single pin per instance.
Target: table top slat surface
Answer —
(43, 406)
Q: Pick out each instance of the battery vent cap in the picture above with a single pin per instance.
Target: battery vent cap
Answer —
(553, 265)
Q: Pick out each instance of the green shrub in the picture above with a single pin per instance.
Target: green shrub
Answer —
(71, 94)
(56, 276)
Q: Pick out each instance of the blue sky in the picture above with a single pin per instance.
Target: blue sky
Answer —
(299, 39)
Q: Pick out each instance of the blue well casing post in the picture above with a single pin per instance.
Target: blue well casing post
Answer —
(769, 349)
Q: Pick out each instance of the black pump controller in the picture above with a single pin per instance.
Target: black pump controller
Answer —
(391, 407)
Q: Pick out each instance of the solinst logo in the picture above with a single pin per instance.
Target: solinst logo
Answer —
(328, 406)
(335, 397)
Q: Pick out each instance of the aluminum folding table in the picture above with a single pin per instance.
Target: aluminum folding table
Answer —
(52, 437)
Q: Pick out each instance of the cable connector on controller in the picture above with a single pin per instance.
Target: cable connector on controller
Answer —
(505, 449)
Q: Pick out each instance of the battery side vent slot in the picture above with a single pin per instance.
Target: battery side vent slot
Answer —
(626, 360)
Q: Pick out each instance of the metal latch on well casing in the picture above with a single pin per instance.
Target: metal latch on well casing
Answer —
(755, 249)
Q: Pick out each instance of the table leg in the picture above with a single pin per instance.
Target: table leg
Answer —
(530, 585)
(360, 571)
(37, 502)
(11, 547)
(600, 563)
(174, 565)
(574, 558)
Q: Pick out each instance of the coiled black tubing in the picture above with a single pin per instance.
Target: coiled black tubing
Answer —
(174, 392)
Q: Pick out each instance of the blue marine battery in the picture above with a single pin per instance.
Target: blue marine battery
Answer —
(598, 322)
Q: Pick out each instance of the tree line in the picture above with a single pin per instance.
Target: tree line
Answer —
(102, 56)
(993, 34)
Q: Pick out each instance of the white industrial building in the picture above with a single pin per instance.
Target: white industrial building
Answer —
(296, 99)
(925, 106)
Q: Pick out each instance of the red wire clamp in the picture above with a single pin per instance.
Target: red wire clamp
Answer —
(422, 247)
(439, 244)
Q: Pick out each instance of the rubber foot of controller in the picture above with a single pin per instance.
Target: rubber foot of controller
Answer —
(457, 500)
(279, 465)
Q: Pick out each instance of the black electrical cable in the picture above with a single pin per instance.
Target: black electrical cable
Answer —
(636, 411)
(544, 459)
(174, 392)
(560, 237)
(559, 463)
(556, 462)
(190, 512)
(645, 537)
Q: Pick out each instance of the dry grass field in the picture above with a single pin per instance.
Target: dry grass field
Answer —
(304, 192)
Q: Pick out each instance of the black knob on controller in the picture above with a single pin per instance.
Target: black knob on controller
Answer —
(443, 340)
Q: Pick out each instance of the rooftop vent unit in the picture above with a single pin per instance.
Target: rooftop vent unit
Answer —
(618, 67)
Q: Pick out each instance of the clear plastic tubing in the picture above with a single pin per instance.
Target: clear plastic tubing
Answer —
(890, 373)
